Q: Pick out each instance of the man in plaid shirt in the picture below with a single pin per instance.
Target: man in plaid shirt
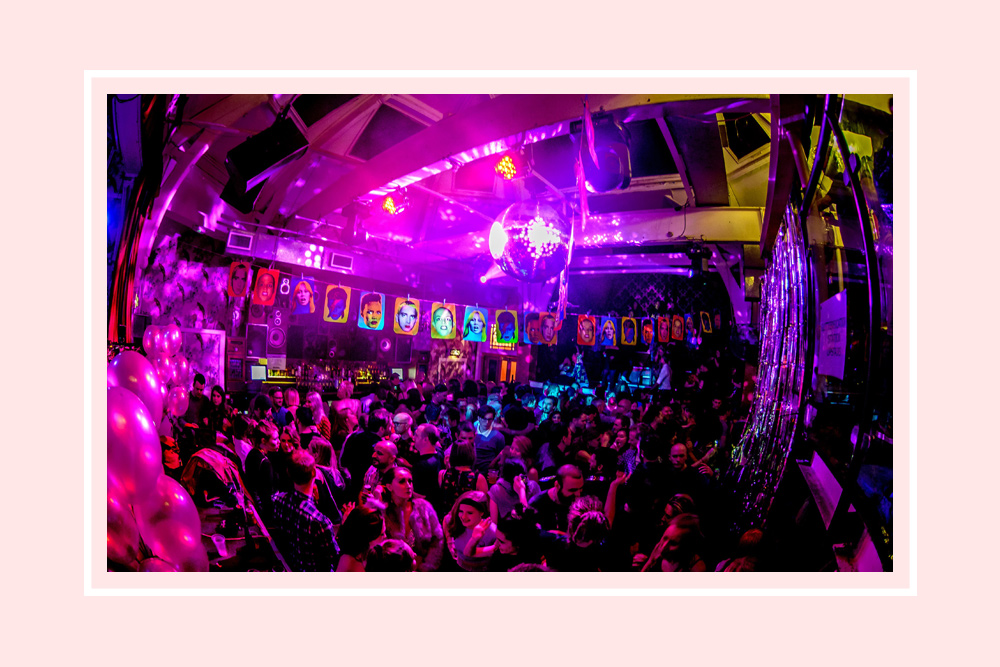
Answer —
(304, 534)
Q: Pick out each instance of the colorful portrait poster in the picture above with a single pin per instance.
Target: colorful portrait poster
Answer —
(663, 329)
(549, 325)
(677, 327)
(371, 310)
(336, 304)
(505, 327)
(586, 330)
(628, 331)
(718, 322)
(706, 322)
(284, 299)
(303, 297)
(475, 324)
(690, 330)
(406, 316)
(266, 287)
(609, 332)
(239, 279)
(647, 330)
(443, 321)
(532, 328)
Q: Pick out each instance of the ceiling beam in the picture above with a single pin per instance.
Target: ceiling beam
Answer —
(678, 160)
(503, 116)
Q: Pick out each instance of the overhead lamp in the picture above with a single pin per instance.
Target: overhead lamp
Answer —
(511, 165)
(395, 203)
(613, 170)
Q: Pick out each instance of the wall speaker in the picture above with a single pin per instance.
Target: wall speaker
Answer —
(257, 158)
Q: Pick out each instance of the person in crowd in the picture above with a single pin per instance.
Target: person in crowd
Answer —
(258, 474)
(411, 518)
(402, 434)
(469, 532)
(512, 490)
(426, 462)
(315, 403)
(362, 529)
(360, 446)
(391, 556)
(585, 546)
(680, 547)
(217, 414)
(383, 458)
(197, 402)
(291, 399)
(488, 441)
(459, 476)
(279, 414)
(748, 553)
(304, 535)
(241, 441)
(337, 480)
(518, 541)
(305, 426)
(553, 505)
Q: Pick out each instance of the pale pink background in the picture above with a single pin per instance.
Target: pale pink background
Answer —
(49, 618)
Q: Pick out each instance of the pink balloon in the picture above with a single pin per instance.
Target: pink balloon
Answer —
(177, 544)
(123, 534)
(182, 369)
(149, 342)
(132, 371)
(135, 458)
(164, 367)
(172, 340)
(177, 401)
(169, 501)
(156, 565)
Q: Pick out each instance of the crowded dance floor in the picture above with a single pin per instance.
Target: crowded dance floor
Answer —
(499, 333)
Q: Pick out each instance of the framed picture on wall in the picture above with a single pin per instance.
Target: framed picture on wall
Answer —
(235, 371)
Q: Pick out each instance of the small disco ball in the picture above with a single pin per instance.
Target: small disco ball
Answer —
(531, 241)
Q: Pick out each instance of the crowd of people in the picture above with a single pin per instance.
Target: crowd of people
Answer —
(481, 476)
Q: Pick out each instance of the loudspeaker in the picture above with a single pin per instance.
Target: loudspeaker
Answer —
(253, 161)
(236, 196)
(257, 340)
(277, 334)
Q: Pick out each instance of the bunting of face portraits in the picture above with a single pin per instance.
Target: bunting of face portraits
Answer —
(303, 297)
(706, 322)
(443, 321)
(628, 331)
(647, 330)
(370, 311)
(586, 330)
(407, 318)
(505, 327)
(239, 279)
(609, 332)
(475, 324)
(548, 326)
(663, 329)
(677, 327)
(336, 303)
(266, 287)
(532, 330)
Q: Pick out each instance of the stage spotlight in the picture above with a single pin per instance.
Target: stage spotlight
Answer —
(395, 203)
(613, 170)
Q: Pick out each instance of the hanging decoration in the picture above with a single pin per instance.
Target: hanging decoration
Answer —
(547, 328)
(663, 329)
(677, 327)
(530, 241)
(504, 328)
(443, 321)
(475, 327)
(337, 303)
(406, 318)
(532, 328)
(647, 330)
(628, 331)
(609, 332)
(239, 279)
(266, 287)
(706, 322)
(586, 330)
(303, 297)
(370, 311)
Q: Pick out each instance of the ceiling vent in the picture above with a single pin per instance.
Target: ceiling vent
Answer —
(339, 262)
(239, 243)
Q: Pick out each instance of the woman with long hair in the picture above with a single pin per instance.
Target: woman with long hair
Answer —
(315, 402)
(514, 489)
(218, 412)
(459, 477)
(517, 541)
(337, 479)
(302, 297)
(363, 528)
(410, 518)
(469, 532)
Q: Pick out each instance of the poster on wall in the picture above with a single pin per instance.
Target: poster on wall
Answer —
(706, 322)
(505, 328)
(336, 303)
(266, 288)
(547, 328)
(475, 324)
(370, 311)
(531, 332)
(628, 331)
(303, 297)
(691, 331)
(284, 298)
(443, 321)
(609, 332)
(406, 316)
(833, 336)
(663, 329)
(586, 330)
(677, 327)
(647, 330)
(239, 279)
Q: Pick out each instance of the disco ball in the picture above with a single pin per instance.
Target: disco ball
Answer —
(530, 241)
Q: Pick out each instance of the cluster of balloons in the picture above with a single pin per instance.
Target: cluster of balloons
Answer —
(162, 346)
(143, 503)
